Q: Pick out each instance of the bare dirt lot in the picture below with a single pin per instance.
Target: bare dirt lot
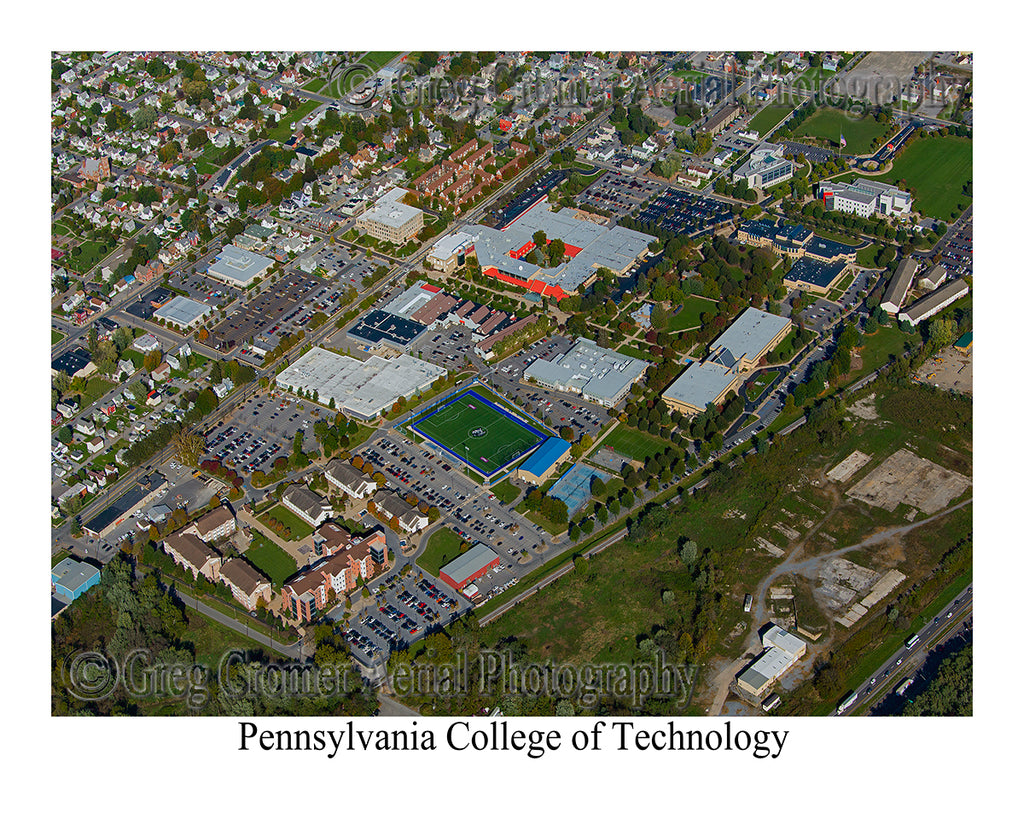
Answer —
(905, 478)
(843, 471)
(949, 370)
(881, 73)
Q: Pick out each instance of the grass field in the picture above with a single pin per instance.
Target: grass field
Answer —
(92, 252)
(633, 442)
(55, 336)
(298, 526)
(937, 170)
(270, 559)
(314, 85)
(758, 385)
(442, 548)
(505, 492)
(378, 59)
(689, 314)
(283, 129)
(767, 118)
(880, 345)
(636, 352)
(827, 124)
(866, 256)
(473, 430)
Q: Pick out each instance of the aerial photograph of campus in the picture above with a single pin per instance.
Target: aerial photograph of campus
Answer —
(511, 383)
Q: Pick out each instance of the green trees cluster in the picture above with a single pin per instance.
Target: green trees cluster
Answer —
(553, 509)
(951, 692)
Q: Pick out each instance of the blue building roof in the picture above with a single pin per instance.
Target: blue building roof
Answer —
(545, 456)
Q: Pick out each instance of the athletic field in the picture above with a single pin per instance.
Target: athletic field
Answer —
(479, 433)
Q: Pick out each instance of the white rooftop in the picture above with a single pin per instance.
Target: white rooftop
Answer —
(362, 388)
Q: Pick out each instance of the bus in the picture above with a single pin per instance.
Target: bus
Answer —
(846, 703)
(911, 641)
(770, 703)
(904, 686)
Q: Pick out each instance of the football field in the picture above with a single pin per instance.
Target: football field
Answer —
(479, 433)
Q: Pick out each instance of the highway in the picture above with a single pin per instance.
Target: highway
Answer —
(901, 662)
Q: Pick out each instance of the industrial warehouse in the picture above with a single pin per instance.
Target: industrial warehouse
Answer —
(360, 388)
(596, 374)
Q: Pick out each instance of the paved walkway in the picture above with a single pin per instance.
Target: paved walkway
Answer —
(290, 546)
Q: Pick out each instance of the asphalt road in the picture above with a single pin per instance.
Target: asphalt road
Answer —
(898, 664)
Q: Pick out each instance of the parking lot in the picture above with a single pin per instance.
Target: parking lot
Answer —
(345, 266)
(402, 611)
(958, 250)
(283, 307)
(683, 212)
(260, 430)
(619, 193)
(558, 409)
(447, 347)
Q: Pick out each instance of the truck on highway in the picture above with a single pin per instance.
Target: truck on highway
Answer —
(849, 700)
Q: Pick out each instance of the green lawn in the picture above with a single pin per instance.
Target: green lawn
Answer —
(314, 85)
(379, 59)
(689, 75)
(636, 352)
(813, 77)
(442, 548)
(879, 346)
(95, 388)
(92, 252)
(298, 526)
(689, 314)
(283, 129)
(55, 336)
(683, 120)
(634, 443)
(866, 256)
(828, 123)
(936, 169)
(785, 347)
(768, 117)
(270, 559)
(758, 385)
(505, 492)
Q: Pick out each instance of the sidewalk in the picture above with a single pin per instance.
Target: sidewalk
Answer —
(290, 546)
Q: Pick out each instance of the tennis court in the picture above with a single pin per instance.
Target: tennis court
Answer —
(481, 434)
(574, 486)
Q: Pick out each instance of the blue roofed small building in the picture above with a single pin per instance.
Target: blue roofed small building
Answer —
(545, 459)
(70, 579)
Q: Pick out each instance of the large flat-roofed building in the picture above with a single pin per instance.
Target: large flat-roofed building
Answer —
(545, 459)
(588, 245)
(721, 119)
(379, 327)
(814, 276)
(781, 651)
(866, 197)
(752, 335)
(899, 285)
(183, 312)
(450, 251)
(736, 351)
(469, 566)
(237, 266)
(145, 491)
(391, 220)
(699, 385)
(934, 302)
(766, 166)
(76, 362)
(598, 375)
(362, 389)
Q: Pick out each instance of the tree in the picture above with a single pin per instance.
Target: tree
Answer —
(189, 447)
